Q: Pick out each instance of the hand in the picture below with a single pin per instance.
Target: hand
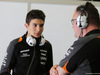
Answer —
(53, 70)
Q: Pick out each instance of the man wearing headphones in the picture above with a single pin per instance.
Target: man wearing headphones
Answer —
(83, 57)
(30, 54)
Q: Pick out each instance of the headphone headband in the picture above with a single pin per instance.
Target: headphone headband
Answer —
(86, 5)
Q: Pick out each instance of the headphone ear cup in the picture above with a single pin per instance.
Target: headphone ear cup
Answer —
(82, 21)
(31, 41)
(42, 42)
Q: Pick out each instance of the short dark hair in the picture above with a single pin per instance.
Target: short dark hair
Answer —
(93, 14)
(35, 14)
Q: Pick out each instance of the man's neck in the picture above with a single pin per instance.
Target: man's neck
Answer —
(88, 29)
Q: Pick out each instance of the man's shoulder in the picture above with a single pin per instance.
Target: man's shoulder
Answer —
(14, 41)
(47, 42)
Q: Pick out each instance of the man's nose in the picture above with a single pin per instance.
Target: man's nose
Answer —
(38, 28)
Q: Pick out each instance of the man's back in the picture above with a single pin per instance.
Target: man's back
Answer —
(83, 55)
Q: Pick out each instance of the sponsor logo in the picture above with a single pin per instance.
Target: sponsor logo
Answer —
(68, 52)
(43, 63)
(43, 57)
(43, 54)
(24, 53)
(5, 59)
(43, 51)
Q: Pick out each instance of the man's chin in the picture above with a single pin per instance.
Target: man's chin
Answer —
(37, 36)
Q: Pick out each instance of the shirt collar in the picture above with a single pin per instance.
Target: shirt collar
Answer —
(93, 32)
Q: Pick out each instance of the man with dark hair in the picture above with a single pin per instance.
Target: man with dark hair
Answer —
(83, 57)
(30, 54)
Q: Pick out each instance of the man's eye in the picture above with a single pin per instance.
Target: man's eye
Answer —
(41, 25)
(35, 25)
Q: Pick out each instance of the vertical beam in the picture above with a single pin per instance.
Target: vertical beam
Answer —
(29, 5)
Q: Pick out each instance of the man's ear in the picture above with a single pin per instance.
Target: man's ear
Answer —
(26, 25)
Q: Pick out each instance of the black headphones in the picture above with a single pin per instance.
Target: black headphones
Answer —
(82, 19)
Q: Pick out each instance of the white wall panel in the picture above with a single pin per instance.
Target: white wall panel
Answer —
(12, 19)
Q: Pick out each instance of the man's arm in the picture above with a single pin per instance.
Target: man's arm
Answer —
(57, 70)
(61, 71)
(49, 59)
(53, 70)
(5, 66)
